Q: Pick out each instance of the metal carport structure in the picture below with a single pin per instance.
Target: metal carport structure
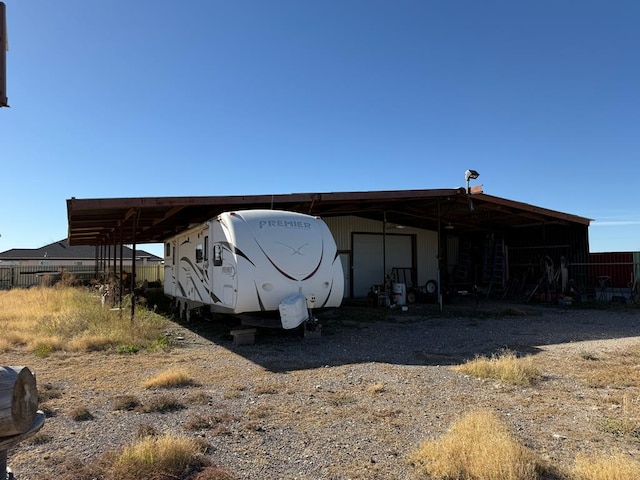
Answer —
(471, 212)
(107, 221)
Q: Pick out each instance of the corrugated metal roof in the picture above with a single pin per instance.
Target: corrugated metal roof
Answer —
(153, 219)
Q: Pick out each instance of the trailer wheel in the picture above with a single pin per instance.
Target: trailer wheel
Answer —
(431, 287)
(174, 309)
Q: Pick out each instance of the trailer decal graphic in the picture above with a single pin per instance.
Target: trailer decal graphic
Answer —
(195, 288)
(194, 268)
(317, 266)
(282, 272)
(294, 251)
(262, 309)
(236, 251)
(189, 269)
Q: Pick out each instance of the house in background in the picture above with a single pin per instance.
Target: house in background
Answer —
(62, 254)
(26, 267)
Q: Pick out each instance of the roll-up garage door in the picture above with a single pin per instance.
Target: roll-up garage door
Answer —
(368, 260)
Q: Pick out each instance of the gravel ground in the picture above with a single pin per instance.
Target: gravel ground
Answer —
(350, 405)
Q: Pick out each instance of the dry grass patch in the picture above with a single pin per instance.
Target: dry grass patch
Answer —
(614, 376)
(620, 426)
(146, 430)
(204, 422)
(126, 402)
(478, 447)
(606, 467)
(586, 355)
(88, 342)
(200, 422)
(626, 420)
(48, 319)
(170, 379)
(43, 347)
(234, 391)
(6, 345)
(164, 457)
(13, 338)
(39, 438)
(81, 414)
(161, 404)
(386, 413)
(506, 367)
(269, 388)
(376, 388)
(259, 411)
(214, 473)
(151, 457)
(48, 392)
(200, 398)
(620, 369)
(71, 467)
(339, 399)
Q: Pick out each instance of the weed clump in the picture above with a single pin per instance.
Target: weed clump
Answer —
(146, 430)
(606, 467)
(479, 446)
(126, 403)
(81, 414)
(506, 367)
(214, 473)
(376, 388)
(170, 379)
(201, 422)
(161, 404)
(164, 457)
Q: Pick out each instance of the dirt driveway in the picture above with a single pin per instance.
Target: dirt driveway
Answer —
(351, 405)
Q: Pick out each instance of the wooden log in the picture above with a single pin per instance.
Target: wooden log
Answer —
(18, 400)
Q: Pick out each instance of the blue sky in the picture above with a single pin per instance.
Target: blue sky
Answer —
(208, 97)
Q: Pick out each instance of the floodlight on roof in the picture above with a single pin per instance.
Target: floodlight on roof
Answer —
(470, 175)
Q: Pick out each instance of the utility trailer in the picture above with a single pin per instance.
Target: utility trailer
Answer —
(254, 262)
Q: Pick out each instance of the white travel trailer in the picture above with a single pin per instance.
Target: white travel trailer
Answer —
(250, 261)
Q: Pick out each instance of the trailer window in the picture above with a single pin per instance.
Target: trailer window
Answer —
(206, 248)
(217, 255)
(167, 250)
(199, 253)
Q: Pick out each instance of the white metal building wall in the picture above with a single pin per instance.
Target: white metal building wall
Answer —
(426, 241)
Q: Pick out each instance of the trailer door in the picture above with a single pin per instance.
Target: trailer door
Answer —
(224, 269)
